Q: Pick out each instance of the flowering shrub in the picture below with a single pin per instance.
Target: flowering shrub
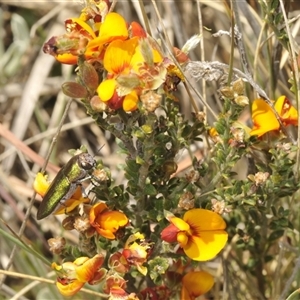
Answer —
(150, 237)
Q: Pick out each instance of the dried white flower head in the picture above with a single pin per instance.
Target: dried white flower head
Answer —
(82, 224)
(151, 100)
(238, 134)
(57, 245)
(186, 201)
(218, 206)
(261, 177)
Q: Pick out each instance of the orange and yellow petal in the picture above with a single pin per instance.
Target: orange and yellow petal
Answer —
(67, 58)
(133, 237)
(106, 233)
(288, 114)
(118, 56)
(206, 246)
(195, 284)
(139, 251)
(157, 58)
(70, 205)
(96, 210)
(117, 292)
(137, 30)
(106, 222)
(88, 269)
(263, 118)
(56, 267)
(139, 58)
(112, 220)
(79, 261)
(130, 101)
(78, 25)
(113, 26)
(41, 184)
(76, 274)
(69, 289)
(204, 220)
(182, 238)
(180, 224)
(106, 89)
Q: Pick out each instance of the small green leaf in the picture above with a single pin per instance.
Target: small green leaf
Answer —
(150, 190)
(275, 235)
(158, 267)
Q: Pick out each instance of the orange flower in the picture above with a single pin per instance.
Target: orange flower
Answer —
(264, 120)
(200, 233)
(113, 28)
(288, 114)
(73, 275)
(106, 222)
(41, 186)
(114, 287)
(81, 38)
(117, 61)
(117, 262)
(130, 69)
(195, 284)
(136, 251)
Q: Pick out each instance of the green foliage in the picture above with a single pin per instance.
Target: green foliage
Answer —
(158, 267)
(252, 181)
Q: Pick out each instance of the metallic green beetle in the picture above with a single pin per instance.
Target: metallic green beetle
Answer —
(65, 183)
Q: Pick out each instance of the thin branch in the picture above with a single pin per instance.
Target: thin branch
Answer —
(290, 280)
(202, 54)
(238, 37)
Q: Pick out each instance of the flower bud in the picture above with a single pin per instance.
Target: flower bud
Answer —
(97, 104)
(68, 223)
(241, 100)
(74, 90)
(227, 92)
(238, 86)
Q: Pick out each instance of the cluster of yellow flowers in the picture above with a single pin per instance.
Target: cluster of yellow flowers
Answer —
(132, 64)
